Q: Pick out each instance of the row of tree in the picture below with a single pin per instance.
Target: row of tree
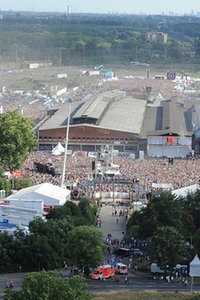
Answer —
(86, 39)
(68, 235)
(172, 227)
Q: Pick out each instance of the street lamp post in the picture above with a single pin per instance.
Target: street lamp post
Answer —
(66, 146)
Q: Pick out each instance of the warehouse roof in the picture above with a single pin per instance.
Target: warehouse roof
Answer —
(125, 115)
(114, 110)
(111, 110)
(170, 117)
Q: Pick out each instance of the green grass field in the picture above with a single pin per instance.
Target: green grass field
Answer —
(150, 295)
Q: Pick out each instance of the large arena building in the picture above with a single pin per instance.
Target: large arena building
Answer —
(159, 128)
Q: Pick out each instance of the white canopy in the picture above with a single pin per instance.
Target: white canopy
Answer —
(49, 193)
(195, 267)
(58, 150)
(186, 190)
(162, 186)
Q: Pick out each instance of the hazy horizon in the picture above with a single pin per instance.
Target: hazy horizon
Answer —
(104, 6)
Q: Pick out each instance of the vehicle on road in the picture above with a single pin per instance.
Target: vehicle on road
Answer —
(103, 272)
(126, 252)
(121, 269)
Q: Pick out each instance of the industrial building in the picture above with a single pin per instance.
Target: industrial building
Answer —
(110, 118)
(159, 128)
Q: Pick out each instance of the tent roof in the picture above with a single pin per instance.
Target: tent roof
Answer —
(51, 194)
(186, 190)
(195, 267)
(195, 262)
(58, 150)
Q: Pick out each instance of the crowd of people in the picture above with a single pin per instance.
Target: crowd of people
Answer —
(79, 169)
(143, 172)
(133, 86)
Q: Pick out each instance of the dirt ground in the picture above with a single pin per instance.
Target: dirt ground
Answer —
(33, 78)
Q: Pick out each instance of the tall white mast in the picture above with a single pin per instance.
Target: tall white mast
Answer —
(66, 146)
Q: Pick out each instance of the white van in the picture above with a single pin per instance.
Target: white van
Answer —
(121, 269)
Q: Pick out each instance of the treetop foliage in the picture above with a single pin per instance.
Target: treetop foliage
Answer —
(99, 38)
(17, 139)
(169, 223)
(50, 285)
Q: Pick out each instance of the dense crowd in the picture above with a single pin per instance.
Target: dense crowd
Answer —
(182, 173)
(79, 169)
(135, 87)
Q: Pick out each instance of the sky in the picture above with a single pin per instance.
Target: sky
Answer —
(104, 6)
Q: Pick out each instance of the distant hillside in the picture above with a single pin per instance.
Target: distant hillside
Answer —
(83, 39)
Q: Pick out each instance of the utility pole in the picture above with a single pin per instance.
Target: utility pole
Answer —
(66, 145)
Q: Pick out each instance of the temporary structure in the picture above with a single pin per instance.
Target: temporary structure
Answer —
(183, 192)
(195, 267)
(50, 194)
(58, 150)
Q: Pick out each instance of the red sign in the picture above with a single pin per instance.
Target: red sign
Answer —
(170, 139)
(16, 173)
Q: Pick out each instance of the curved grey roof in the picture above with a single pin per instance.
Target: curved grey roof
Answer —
(114, 110)
(111, 110)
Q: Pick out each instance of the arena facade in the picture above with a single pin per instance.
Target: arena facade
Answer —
(160, 128)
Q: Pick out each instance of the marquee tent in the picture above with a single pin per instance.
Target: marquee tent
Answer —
(195, 267)
(58, 150)
(50, 194)
(183, 192)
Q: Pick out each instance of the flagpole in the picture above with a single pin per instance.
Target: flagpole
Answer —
(66, 146)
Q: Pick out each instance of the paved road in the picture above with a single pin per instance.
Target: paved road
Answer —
(114, 225)
(109, 222)
(140, 282)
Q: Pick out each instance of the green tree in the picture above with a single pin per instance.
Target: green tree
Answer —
(87, 211)
(133, 225)
(21, 183)
(47, 244)
(165, 210)
(50, 286)
(5, 185)
(17, 139)
(192, 207)
(69, 209)
(7, 253)
(166, 247)
(85, 247)
(196, 242)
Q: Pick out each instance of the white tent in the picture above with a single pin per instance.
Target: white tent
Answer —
(50, 194)
(164, 186)
(195, 267)
(58, 150)
(186, 190)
